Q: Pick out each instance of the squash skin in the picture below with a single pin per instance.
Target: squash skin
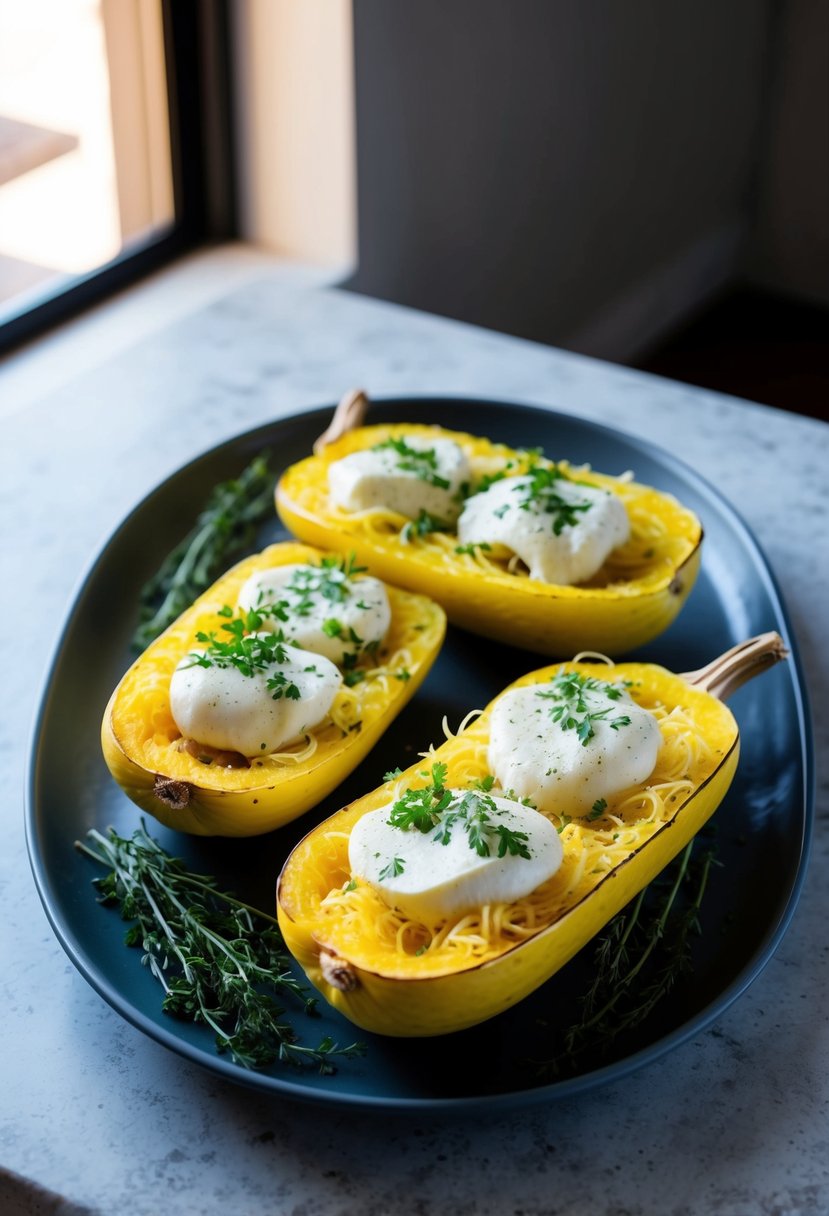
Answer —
(240, 802)
(545, 618)
(407, 1005)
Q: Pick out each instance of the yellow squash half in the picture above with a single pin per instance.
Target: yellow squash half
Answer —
(143, 747)
(406, 980)
(633, 598)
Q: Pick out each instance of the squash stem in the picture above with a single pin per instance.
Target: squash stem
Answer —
(724, 675)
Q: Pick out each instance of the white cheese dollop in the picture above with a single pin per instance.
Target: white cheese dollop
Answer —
(507, 514)
(436, 880)
(327, 612)
(422, 475)
(225, 709)
(533, 755)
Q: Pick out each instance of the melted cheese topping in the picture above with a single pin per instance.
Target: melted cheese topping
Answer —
(417, 475)
(428, 879)
(530, 526)
(546, 760)
(357, 618)
(226, 709)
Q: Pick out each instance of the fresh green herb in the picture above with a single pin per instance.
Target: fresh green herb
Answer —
(423, 526)
(217, 959)
(541, 493)
(351, 885)
(484, 783)
(435, 808)
(514, 797)
(570, 709)
(393, 774)
(489, 479)
(423, 462)
(642, 953)
(469, 549)
(332, 628)
(403, 675)
(396, 866)
(225, 526)
(249, 653)
(330, 581)
(598, 808)
(421, 808)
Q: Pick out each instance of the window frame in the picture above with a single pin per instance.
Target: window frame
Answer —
(198, 57)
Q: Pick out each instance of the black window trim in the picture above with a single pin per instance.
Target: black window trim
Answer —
(198, 54)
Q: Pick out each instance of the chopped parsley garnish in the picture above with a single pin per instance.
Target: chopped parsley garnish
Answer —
(249, 653)
(433, 808)
(570, 708)
(597, 809)
(541, 494)
(469, 549)
(423, 462)
(396, 866)
(330, 581)
(423, 525)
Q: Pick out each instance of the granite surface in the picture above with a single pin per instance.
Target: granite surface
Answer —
(733, 1123)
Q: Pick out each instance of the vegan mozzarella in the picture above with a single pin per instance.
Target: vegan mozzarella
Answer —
(429, 881)
(530, 525)
(326, 611)
(405, 475)
(222, 707)
(540, 757)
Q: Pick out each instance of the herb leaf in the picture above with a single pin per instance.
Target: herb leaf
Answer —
(638, 959)
(423, 525)
(423, 462)
(217, 959)
(225, 526)
(396, 866)
(541, 494)
(570, 708)
(435, 808)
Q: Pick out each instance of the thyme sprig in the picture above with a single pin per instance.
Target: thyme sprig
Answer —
(217, 959)
(642, 953)
(225, 526)
(570, 708)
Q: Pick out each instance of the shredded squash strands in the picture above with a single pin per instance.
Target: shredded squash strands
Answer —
(651, 549)
(159, 741)
(356, 923)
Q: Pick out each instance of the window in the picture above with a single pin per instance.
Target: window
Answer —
(114, 146)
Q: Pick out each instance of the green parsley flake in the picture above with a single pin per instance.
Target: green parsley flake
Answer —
(433, 808)
(423, 462)
(569, 706)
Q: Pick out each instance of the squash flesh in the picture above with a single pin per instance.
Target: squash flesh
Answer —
(141, 742)
(633, 598)
(404, 994)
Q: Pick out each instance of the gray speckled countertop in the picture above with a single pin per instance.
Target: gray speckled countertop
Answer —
(733, 1123)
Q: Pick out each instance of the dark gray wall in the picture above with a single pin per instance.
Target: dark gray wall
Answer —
(789, 249)
(525, 164)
